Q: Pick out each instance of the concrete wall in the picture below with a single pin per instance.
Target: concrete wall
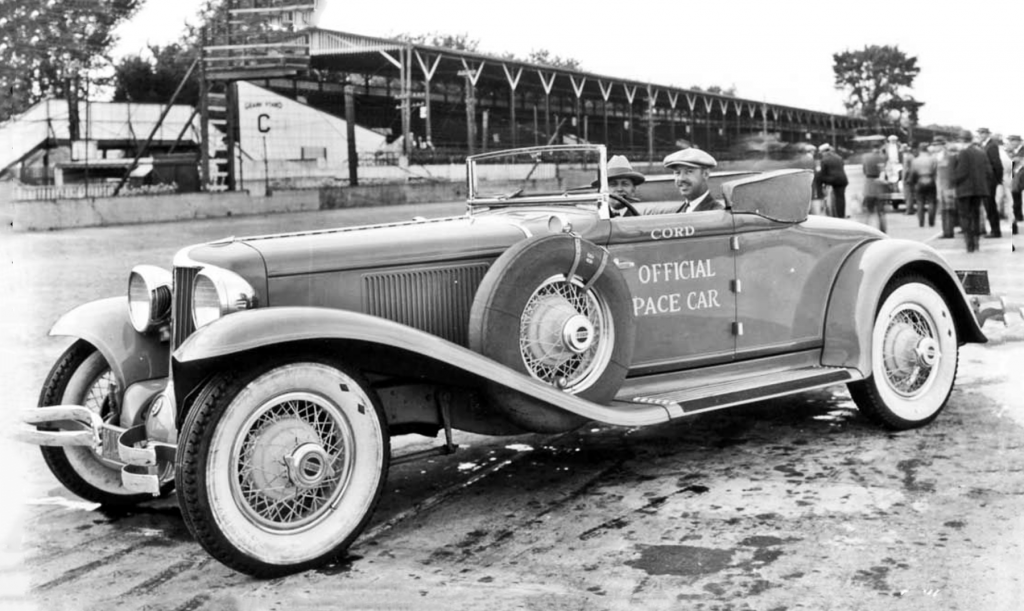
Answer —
(92, 212)
(69, 213)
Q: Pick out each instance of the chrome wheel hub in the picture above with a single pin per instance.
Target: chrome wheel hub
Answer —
(565, 334)
(308, 466)
(910, 350)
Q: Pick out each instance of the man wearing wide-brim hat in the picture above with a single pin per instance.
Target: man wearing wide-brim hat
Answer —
(690, 169)
(622, 182)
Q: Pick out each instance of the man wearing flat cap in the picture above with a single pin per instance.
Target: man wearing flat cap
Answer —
(622, 181)
(690, 168)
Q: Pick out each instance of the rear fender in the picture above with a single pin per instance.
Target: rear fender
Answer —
(858, 288)
(244, 332)
(133, 356)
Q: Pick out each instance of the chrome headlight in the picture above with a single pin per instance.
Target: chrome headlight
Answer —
(217, 292)
(149, 297)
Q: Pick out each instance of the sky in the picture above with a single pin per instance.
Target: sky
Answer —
(971, 54)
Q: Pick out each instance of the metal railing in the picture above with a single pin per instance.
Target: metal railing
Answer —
(44, 193)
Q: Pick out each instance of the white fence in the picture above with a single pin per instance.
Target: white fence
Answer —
(51, 193)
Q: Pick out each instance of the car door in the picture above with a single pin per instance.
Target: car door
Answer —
(680, 270)
(784, 274)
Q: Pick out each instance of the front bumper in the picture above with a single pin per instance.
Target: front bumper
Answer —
(143, 462)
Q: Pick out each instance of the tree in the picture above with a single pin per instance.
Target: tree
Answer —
(547, 58)
(46, 46)
(457, 42)
(717, 90)
(137, 79)
(876, 79)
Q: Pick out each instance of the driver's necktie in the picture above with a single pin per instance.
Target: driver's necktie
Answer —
(685, 206)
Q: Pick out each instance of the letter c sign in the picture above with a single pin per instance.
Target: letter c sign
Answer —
(259, 123)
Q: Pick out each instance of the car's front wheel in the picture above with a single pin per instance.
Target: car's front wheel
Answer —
(914, 352)
(280, 468)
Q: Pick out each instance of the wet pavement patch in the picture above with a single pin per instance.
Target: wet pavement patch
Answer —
(167, 521)
(875, 578)
(910, 481)
(339, 566)
(681, 560)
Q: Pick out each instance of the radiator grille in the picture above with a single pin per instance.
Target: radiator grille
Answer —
(433, 300)
(181, 321)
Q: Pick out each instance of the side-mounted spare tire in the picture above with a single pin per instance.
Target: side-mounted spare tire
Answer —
(556, 308)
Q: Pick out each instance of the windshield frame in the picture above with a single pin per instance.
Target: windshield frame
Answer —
(598, 197)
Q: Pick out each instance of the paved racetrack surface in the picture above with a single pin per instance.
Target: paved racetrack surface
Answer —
(797, 503)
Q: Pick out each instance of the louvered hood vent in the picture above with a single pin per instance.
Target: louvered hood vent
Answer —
(433, 300)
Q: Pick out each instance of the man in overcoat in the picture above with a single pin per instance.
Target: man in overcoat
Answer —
(832, 173)
(991, 148)
(973, 176)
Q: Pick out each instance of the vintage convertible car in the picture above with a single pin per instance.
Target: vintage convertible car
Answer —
(263, 377)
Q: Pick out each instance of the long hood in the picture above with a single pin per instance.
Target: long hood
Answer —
(395, 244)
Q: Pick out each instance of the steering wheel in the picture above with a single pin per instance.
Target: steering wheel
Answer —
(631, 211)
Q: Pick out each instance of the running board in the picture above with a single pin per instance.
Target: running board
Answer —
(747, 389)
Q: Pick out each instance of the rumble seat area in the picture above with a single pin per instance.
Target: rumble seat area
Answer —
(782, 195)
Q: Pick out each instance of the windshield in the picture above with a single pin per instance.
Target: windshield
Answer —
(548, 174)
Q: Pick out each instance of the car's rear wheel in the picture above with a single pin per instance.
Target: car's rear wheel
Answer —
(82, 376)
(557, 309)
(281, 467)
(914, 353)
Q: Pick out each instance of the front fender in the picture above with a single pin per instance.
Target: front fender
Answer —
(858, 288)
(133, 356)
(254, 329)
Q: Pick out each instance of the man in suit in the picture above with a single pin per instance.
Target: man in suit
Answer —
(831, 172)
(691, 168)
(972, 173)
(991, 149)
(1015, 148)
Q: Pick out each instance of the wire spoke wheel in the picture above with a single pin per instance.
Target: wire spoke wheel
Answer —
(566, 335)
(291, 461)
(282, 465)
(914, 353)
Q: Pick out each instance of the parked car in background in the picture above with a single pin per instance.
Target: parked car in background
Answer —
(262, 377)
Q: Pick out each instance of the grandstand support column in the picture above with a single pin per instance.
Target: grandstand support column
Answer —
(428, 75)
(630, 95)
(485, 120)
(470, 115)
(404, 74)
(605, 94)
(547, 84)
(234, 163)
(512, 84)
(577, 88)
(536, 127)
(350, 134)
(673, 99)
(652, 99)
(472, 76)
(204, 115)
